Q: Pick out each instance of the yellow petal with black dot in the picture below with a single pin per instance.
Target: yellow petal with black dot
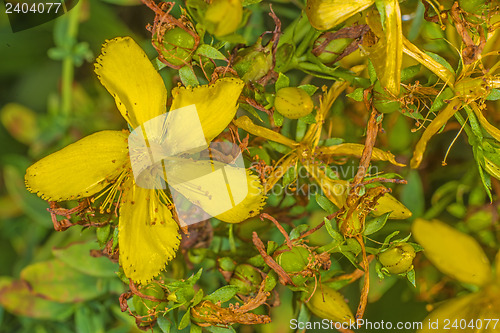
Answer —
(216, 104)
(81, 169)
(148, 236)
(454, 253)
(230, 193)
(126, 72)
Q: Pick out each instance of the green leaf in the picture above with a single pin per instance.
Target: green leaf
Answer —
(164, 324)
(375, 224)
(410, 72)
(197, 297)
(439, 101)
(58, 282)
(188, 77)
(411, 277)
(332, 142)
(251, 110)
(210, 52)
(186, 320)
(31, 204)
(222, 294)
(278, 118)
(440, 60)
(308, 88)
(357, 95)
(17, 298)
(304, 314)
(86, 321)
(195, 329)
(77, 256)
(215, 329)
(157, 64)
(337, 237)
(326, 204)
(309, 119)
(289, 176)
(371, 72)
(494, 95)
(388, 238)
(270, 281)
(416, 246)
(298, 230)
(279, 147)
(413, 196)
(282, 82)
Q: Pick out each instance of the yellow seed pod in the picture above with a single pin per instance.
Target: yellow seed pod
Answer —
(293, 103)
(327, 303)
(223, 17)
(398, 259)
(325, 14)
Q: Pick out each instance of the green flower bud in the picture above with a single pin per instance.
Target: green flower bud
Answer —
(293, 103)
(294, 262)
(327, 303)
(178, 46)
(398, 259)
(148, 308)
(254, 62)
(246, 278)
(226, 264)
(223, 17)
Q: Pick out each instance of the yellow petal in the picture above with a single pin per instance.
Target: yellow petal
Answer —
(476, 308)
(325, 14)
(216, 104)
(335, 190)
(387, 53)
(441, 71)
(438, 122)
(148, 235)
(126, 72)
(356, 149)
(248, 125)
(454, 253)
(81, 169)
(250, 206)
(449, 310)
(387, 203)
(229, 193)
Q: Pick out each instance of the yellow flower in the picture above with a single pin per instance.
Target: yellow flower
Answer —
(100, 163)
(459, 256)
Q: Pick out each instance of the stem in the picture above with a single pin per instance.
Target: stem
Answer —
(68, 64)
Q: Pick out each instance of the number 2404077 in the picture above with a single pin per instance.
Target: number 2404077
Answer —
(25, 8)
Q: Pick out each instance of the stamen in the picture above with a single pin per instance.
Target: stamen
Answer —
(111, 190)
